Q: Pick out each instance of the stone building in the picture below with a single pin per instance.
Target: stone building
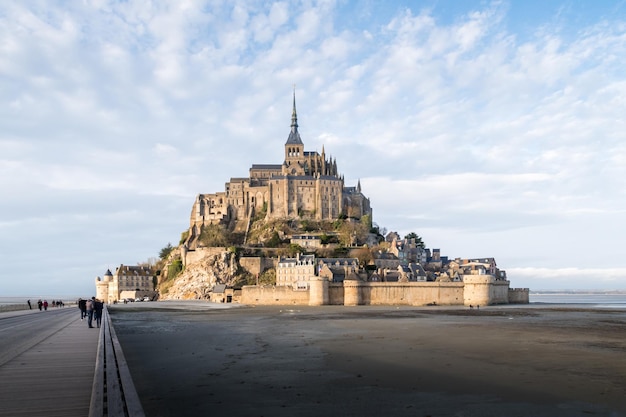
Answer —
(126, 282)
(297, 272)
(408, 251)
(307, 184)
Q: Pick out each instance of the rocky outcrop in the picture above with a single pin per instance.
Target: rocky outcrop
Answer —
(200, 276)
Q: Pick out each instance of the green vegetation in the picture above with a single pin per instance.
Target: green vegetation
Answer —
(183, 237)
(341, 238)
(174, 269)
(244, 278)
(418, 240)
(364, 255)
(352, 233)
(274, 241)
(327, 239)
(213, 235)
(165, 252)
(292, 250)
(268, 277)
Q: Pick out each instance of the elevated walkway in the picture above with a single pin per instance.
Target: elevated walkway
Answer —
(75, 371)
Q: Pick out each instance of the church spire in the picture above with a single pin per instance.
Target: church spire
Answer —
(294, 136)
(294, 115)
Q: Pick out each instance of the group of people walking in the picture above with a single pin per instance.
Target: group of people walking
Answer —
(43, 305)
(91, 309)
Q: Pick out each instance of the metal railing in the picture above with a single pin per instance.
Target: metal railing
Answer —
(113, 393)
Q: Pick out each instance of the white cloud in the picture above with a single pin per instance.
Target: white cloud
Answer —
(569, 278)
(456, 125)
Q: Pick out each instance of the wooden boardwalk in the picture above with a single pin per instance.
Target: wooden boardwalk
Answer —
(53, 378)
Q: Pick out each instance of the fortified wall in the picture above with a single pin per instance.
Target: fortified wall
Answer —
(473, 290)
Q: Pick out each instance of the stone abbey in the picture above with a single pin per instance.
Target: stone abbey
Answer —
(307, 184)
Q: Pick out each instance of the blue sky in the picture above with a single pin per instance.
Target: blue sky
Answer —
(488, 128)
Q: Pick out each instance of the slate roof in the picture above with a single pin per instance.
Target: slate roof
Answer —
(294, 136)
(267, 166)
(219, 288)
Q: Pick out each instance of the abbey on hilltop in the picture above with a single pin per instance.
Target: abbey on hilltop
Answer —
(306, 184)
(339, 262)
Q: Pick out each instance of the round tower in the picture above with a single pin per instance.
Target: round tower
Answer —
(477, 290)
(102, 286)
(318, 291)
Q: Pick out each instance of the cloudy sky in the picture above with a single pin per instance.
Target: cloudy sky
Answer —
(488, 128)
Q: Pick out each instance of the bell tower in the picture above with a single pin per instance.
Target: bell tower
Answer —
(294, 148)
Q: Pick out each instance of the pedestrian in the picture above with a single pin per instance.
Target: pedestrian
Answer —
(89, 307)
(97, 311)
(40, 304)
(82, 305)
(45, 305)
(29, 306)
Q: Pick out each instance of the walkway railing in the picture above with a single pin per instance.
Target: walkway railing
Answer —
(113, 393)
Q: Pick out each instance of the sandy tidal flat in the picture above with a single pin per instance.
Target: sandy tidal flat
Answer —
(376, 361)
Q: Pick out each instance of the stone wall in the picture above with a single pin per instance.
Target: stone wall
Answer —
(412, 293)
(195, 256)
(519, 295)
(477, 290)
(335, 294)
(257, 264)
(499, 292)
(273, 295)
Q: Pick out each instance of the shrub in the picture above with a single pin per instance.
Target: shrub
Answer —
(164, 253)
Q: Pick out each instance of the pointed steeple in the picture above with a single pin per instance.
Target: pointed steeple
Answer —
(294, 136)
(294, 115)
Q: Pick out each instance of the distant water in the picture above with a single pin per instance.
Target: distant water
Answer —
(33, 300)
(589, 300)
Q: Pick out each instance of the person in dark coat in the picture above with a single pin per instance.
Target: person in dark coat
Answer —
(97, 311)
(82, 305)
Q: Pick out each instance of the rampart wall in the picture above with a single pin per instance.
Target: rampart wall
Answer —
(273, 295)
(474, 290)
(195, 256)
(412, 293)
(519, 296)
(335, 294)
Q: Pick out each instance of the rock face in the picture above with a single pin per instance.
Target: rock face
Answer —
(199, 277)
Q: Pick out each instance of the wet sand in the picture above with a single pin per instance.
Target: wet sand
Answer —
(191, 360)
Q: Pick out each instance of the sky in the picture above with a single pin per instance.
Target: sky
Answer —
(489, 128)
